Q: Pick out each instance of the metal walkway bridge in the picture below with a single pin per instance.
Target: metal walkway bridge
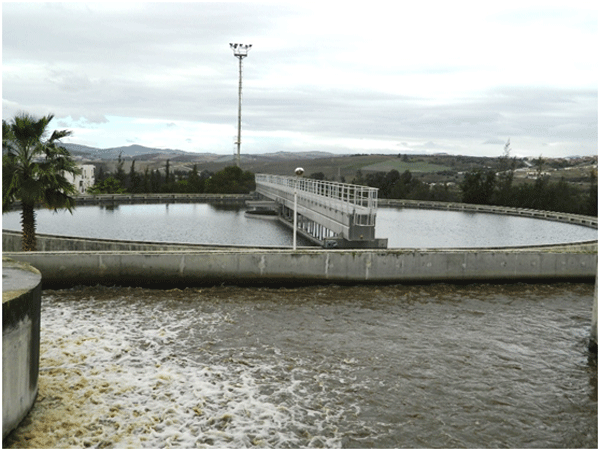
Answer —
(329, 213)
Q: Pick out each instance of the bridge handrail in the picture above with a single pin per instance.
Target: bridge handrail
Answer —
(361, 196)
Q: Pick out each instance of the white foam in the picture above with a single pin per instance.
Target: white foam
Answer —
(123, 381)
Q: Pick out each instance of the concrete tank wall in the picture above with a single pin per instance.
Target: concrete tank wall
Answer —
(21, 304)
(115, 199)
(588, 221)
(274, 267)
(11, 242)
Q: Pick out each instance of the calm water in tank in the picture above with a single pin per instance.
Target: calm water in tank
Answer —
(212, 224)
(437, 366)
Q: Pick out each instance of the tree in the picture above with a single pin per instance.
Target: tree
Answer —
(540, 193)
(102, 175)
(359, 179)
(375, 179)
(503, 195)
(146, 181)
(155, 181)
(195, 182)
(120, 174)
(135, 181)
(478, 187)
(167, 178)
(390, 179)
(591, 203)
(230, 180)
(107, 186)
(403, 186)
(34, 169)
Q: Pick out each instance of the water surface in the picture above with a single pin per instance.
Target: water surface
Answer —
(437, 366)
(212, 224)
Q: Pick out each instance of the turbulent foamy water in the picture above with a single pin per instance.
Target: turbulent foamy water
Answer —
(424, 366)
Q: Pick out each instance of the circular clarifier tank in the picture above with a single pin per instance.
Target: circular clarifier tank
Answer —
(211, 224)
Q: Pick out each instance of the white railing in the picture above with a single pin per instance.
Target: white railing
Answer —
(356, 199)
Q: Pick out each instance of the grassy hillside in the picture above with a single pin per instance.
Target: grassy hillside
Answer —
(337, 167)
(401, 166)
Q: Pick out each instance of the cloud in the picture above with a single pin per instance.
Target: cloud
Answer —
(329, 77)
(494, 142)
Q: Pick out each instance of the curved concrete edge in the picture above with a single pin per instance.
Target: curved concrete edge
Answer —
(153, 198)
(583, 220)
(11, 242)
(264, 267)
(21, 314)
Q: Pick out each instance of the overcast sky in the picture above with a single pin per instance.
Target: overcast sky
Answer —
(344, 77)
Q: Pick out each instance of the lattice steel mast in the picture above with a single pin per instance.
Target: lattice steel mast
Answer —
(240, 51)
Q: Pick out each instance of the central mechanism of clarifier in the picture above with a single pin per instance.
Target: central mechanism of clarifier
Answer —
(330, 214)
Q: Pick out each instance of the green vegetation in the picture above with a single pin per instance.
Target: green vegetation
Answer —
(229, 180)
(404, 165)
(34, 169)
(484, 187)
(109, 185)
(560, 184)
(394, 185)
(492, 187)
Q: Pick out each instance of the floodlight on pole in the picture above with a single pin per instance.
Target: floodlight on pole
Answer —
(240, 51)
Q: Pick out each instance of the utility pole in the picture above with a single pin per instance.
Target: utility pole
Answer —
(240, 51)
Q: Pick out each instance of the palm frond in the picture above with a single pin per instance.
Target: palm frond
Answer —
(59, 134)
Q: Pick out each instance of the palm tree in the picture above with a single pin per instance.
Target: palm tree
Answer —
(33, 170)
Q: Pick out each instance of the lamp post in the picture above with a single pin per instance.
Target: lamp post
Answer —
(240, 51)
(299, 172)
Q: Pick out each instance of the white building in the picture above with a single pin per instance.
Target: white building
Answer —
(85, 180)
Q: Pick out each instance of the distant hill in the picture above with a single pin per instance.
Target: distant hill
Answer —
(310, 154)
(135, 151)
(351, 168)
(126, 152)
